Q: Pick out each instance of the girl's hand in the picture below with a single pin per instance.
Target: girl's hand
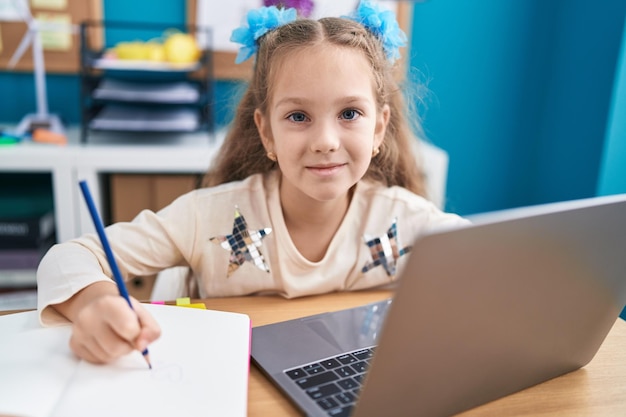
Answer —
(107, 328)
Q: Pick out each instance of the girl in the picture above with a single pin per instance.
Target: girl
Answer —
(315, 188)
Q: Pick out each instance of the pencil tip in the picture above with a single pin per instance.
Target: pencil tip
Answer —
(146, 356)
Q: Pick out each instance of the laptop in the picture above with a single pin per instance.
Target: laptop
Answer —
(480, 312)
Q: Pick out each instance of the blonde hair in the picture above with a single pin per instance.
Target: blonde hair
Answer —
(242, 153)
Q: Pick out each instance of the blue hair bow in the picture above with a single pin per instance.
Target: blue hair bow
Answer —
(380, 22)
(383, 24)
(260, 21)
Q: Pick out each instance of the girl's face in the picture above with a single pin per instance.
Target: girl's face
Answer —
(322, 122)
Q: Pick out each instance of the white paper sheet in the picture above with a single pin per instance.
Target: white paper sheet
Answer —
(201, 362)
(35, 365)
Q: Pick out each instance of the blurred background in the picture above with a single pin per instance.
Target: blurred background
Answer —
(527, 97)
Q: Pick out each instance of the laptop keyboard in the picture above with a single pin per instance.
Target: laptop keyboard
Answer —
(334, 383)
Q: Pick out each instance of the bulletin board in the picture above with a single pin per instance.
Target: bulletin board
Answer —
(224, 57)
(61, 47)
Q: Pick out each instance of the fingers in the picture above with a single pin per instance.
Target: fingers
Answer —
(150, 329)
(108, 328)
(98, 348)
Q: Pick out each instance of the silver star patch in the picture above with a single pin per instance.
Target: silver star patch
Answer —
(243, 244)
(385, 250)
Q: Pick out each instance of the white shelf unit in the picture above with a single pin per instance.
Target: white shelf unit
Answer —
(105, 153)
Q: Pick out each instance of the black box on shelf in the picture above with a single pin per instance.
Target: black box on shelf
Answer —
(26, 210)
(24, 258)
(18, 266)
(30, 232)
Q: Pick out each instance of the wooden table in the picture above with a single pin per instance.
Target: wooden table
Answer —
(599, 389)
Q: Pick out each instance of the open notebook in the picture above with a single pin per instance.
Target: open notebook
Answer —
(201, 362)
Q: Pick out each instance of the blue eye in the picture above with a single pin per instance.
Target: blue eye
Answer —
(350, 114)
(297, 117)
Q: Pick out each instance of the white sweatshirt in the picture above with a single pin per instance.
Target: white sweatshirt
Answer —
(193, 231)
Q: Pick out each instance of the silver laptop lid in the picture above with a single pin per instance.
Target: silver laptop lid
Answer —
(521, 297)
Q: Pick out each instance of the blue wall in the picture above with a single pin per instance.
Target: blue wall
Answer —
(519, 92)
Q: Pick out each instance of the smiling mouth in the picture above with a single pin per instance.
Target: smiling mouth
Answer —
(325, 169)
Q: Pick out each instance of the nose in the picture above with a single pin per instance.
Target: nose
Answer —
(325, 138)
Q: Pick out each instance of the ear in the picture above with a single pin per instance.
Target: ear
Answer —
(381, 125)
(263, 126)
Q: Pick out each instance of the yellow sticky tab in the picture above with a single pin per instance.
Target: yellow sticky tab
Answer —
(183, 301)
(201, 306)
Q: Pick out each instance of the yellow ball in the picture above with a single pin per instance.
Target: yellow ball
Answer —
(181, 48)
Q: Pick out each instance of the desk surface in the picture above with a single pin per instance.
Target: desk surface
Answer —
(599, 389)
